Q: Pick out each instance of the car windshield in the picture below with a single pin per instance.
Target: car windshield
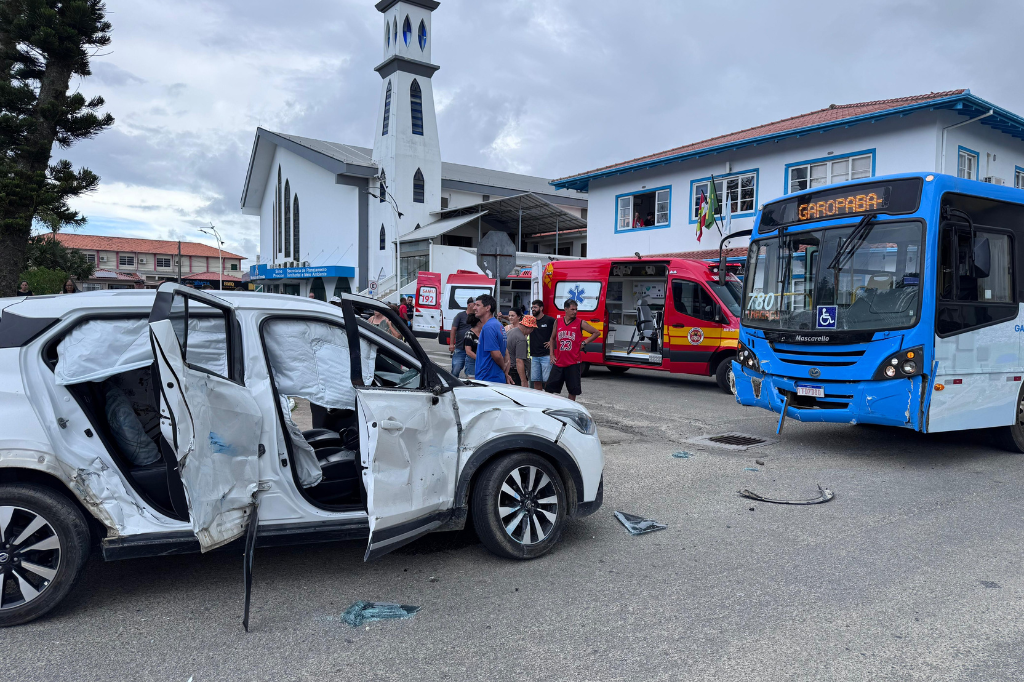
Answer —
(821, 279)
(730, 294)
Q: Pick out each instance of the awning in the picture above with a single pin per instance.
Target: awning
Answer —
(538, 215)
(439, 227)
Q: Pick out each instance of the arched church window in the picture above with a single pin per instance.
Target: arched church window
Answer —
(387, 34)
(280, 216)
(382, 242)
(407, 31)
(295, 226)
(423, 35)
(387, 110)
(287, 219)
(382, 188)
(394, 32)
(416, 104)
(417, 187)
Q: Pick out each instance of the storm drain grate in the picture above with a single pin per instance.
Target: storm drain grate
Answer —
(736, 439)
(731, 441)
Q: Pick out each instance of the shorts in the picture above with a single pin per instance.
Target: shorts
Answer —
(570, 376)
(540, 368)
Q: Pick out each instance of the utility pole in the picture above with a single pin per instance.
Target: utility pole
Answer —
(220, 260)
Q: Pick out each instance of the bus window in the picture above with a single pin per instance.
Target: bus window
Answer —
(975, 287)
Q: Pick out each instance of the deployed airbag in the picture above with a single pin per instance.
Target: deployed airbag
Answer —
(311, 360)
(98, 349)
(307, 466)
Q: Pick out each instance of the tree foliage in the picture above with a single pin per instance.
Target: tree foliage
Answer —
(43, 44)
(46, 251)
(44, 280)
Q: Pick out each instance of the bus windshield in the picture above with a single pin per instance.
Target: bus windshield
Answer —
(819, 279)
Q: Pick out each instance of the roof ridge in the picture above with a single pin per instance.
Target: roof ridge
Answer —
(708, 142)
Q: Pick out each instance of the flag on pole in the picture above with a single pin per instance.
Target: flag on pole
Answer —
(708, 207)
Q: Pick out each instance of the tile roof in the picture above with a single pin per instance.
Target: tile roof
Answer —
(132, 245)
(832, 113)
(110, 274)
(703, 255)
(210, 276)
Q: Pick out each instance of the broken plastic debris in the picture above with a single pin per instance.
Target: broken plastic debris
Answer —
(751, 469)
(638, 525)
(824, 496)
(366, 611)
(682, 455)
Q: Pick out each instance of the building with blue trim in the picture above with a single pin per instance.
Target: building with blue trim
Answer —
(650, 204)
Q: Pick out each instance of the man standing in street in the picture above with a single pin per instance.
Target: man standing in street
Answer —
(518, 350)
(457, 337)
(540, 345)
(565, 352)
(491, 364)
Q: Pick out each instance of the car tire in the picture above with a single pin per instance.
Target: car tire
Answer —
(495, 510)
(617, 369)
(724, 377)
(1012, 437)
(56, 550)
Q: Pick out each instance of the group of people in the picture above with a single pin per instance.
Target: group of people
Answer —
(534, 348)
(68, 288)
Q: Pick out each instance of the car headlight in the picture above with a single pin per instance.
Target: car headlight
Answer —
(581, 421)
(906, 363)
(747, 359)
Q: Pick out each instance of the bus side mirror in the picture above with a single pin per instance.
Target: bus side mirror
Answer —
(982, 258)
(721, 267)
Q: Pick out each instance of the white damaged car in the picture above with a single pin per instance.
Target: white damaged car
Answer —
(158, 423)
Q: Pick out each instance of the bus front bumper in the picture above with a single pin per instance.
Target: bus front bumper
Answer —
(895, 402)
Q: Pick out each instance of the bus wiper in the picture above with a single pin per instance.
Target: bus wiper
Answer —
(848, 248)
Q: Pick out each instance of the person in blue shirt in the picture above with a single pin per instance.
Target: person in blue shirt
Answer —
(491, 364)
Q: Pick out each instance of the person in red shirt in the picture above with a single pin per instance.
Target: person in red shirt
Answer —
(403, 310)
(566, 342)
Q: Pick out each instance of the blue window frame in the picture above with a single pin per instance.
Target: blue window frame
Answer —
(967, 163)
(645, 209)
(828, 170)
(407, 31)
(739, 189)
(416, 105)
(423, 35)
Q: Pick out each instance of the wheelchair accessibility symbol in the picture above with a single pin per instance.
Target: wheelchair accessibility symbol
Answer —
(827, 315)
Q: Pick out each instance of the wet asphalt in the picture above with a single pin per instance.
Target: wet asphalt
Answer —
(912, 572)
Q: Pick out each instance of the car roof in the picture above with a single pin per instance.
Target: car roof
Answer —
(57, 305)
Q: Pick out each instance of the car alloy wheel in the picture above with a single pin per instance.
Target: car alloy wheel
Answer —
(30, 554)
(528, 505)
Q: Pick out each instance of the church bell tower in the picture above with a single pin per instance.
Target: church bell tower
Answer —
(405, 147)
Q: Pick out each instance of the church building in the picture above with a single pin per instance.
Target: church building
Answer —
(337, 217)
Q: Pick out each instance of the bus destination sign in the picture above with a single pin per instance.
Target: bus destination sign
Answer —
(896, 196)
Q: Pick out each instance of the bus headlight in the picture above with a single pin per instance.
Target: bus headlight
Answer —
(906, 363)
(747, 359)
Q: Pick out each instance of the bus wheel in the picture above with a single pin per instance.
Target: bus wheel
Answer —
(1012, 437)
(584, 369)
(723, 375)
(617, 369)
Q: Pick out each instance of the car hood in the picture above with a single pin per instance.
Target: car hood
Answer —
(528, 397)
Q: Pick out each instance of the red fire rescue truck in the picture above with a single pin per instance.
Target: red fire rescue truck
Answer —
(670, 314)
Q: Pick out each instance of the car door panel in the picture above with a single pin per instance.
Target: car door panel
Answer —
(213, 424)
(690, 340)
(409, 446)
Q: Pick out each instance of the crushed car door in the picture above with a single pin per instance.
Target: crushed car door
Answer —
(408, 442)
(207, 416)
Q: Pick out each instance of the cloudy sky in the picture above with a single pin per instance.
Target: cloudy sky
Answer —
(546, 87)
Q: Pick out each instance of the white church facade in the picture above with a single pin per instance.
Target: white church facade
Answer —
(337, 217)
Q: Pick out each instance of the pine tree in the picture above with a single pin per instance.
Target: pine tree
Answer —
(43, 44)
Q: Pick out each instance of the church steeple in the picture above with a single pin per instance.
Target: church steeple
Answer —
(406, 147)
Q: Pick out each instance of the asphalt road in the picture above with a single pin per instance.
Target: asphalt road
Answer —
(912, 572)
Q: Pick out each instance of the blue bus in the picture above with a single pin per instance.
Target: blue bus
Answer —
(894, 301)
